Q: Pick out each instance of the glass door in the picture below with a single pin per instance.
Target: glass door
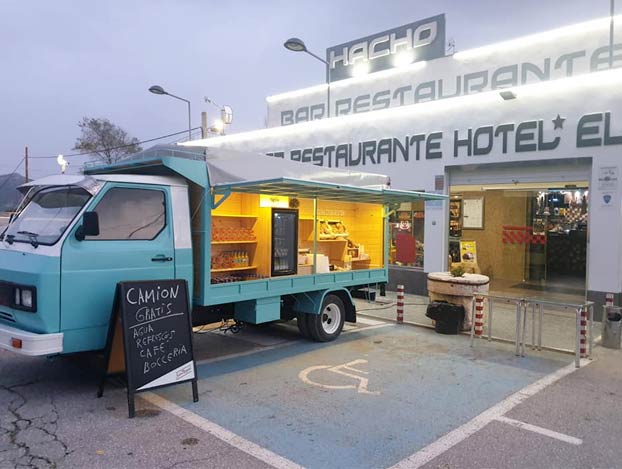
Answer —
(284, 242)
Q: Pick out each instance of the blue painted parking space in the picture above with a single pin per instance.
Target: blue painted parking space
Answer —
(370, 399)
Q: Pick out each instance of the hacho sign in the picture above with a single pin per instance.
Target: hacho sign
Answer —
(421, 40)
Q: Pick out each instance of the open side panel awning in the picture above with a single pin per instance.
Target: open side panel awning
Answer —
(307, 189)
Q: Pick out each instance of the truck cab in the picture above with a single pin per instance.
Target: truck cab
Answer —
(56, 278)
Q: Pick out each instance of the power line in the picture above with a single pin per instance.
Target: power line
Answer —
(114, 148)
(194, 136)
(14, 171)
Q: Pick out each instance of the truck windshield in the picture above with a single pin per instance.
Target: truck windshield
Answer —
(47, 216)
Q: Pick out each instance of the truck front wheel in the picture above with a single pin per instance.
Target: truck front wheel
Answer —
(327, 325)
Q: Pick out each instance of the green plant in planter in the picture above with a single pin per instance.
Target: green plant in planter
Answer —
(457, 271)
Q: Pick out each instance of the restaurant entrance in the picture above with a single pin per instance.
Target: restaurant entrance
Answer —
(530, 239)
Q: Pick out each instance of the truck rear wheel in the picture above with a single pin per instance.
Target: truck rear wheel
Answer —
(327, 325)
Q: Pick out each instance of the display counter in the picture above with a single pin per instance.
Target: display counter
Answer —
(332, 236)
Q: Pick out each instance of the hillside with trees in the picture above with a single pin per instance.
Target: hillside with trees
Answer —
(9, 195)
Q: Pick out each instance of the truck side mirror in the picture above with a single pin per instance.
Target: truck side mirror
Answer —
(90, 226)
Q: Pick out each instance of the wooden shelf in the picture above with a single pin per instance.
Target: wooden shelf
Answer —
(234, 242)
(234, 269)
(306, 218)
(226, 215)
(338, 240)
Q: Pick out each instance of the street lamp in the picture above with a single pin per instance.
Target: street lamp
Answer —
(62, 162)
(297, 45)
(156, 89)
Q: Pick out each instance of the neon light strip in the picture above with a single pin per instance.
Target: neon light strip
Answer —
(297, 93)
(467, 54)
(535, 38)
(347, 82)
(549, 88)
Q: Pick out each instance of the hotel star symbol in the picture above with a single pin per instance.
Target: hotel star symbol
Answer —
(558, 122)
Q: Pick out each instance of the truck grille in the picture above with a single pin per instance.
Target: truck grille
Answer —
(6, 293)
(6, 316)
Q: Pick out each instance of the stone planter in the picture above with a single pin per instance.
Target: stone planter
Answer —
(442, 286)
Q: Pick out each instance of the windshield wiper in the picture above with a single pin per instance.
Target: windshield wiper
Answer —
(32, 237)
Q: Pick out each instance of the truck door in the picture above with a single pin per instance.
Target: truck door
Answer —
(135, 242)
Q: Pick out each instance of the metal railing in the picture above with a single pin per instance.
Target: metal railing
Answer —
(584, 316)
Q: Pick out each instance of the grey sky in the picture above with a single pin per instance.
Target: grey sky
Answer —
(64, 59)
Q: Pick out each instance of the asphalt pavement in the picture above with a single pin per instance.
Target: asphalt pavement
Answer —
(50, 418)
(381, 395)
(585, 405)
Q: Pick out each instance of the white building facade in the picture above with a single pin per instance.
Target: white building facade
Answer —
(525, 136)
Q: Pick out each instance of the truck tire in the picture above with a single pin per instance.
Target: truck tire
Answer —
(327, 325)
(301, 320)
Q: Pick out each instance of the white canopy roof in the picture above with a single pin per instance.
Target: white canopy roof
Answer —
(231, 171)
(227, 167)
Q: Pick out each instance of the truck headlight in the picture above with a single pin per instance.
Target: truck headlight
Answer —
(25, 298)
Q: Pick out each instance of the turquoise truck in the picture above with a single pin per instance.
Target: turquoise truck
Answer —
(257, 238)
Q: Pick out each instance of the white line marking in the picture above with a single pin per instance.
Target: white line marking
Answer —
(243, 354)
(284, 344)
(368, 321)
(446, 442)
(368, 328)
(221, 433)
(542, 431)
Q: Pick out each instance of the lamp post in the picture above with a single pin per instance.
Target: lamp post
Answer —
(156, 89)
(62, 162)
(297, 45)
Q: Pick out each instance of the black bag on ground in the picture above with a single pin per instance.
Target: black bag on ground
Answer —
(448, 317)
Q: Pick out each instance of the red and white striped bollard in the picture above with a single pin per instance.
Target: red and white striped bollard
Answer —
(400, 304)
(479, 316)
(583, 333)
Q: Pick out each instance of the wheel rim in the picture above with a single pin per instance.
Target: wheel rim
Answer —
(331, 318)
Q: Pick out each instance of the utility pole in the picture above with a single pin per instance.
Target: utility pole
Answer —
(611, 15)
(203, 124)
(26, 163)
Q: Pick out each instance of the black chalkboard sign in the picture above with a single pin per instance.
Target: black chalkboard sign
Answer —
(153, 318)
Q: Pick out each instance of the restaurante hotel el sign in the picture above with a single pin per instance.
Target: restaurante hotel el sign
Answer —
(525, 136)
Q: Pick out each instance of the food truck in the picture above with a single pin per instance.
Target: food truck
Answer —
(257, 238)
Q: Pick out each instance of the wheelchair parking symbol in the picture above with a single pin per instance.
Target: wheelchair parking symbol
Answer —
(346, 369)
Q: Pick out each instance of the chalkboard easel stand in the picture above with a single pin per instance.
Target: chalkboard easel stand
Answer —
(112, 345)
(119, 342)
